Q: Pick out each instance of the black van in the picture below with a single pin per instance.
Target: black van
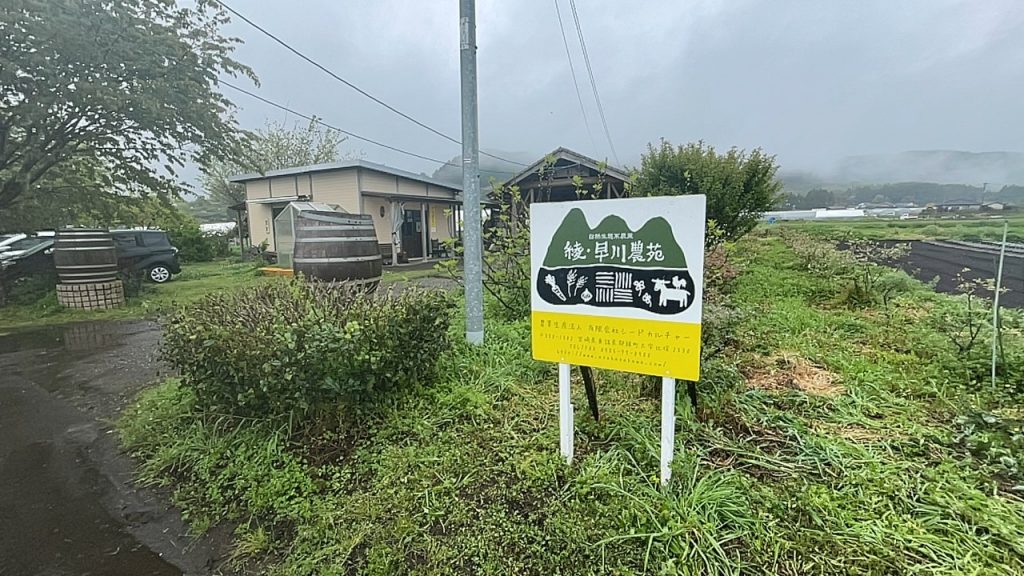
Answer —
(149, 251)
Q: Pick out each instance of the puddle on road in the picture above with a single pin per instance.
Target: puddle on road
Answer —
(54, 498)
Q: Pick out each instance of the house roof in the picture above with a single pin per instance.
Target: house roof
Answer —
(563, 153)
(344, 165)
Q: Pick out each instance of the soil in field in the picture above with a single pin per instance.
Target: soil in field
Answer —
(927, 261)
(67, 502)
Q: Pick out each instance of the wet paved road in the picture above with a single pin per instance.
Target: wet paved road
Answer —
(67, 504)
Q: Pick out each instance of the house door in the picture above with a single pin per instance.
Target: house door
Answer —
(412, 234)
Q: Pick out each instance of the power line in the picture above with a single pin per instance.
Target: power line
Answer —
(330, 73)
(572, 70)
(336, 129)
(593, 84)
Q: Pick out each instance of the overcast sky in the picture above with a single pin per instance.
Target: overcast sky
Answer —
(809, 80)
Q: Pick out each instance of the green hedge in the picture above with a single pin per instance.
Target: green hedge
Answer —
(195, 246)
(292, 348)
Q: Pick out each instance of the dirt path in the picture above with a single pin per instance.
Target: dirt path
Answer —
(67, 503)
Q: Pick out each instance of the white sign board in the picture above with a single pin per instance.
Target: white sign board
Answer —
(618, 284)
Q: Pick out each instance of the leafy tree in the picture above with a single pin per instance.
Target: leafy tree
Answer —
(739, 186)
(206, 210)
(81, 193)
(128, 86)
(818, 198)
(273, 147)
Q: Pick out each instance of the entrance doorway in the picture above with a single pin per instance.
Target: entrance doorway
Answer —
(412, 234)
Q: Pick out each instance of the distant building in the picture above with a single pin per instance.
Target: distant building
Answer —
(839, 213)
(959, 206)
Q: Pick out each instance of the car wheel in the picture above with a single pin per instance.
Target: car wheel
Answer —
(159, 274)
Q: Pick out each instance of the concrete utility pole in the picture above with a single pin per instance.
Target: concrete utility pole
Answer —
(471, 238)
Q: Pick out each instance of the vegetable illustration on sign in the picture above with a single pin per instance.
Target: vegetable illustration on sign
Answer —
(643, 268)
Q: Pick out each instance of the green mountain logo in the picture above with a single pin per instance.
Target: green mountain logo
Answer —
(612, 242)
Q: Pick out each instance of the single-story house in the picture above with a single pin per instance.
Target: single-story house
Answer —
(412, 213)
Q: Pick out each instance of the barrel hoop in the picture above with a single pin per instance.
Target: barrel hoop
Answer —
(339, 239)
(78, 266)
(333, 228)
(80, 248)
(94, 239)
(335, 260)
(333, 219)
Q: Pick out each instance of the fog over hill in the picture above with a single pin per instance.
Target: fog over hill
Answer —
(997, 169)
(940, 166)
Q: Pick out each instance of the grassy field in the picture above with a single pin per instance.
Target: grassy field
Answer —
(921, 229)
(195, 281)
(828, 441)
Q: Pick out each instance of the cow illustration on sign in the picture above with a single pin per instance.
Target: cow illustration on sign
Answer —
(613, 265)
(677, 292)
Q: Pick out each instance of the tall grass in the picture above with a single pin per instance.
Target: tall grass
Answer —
(464, 477)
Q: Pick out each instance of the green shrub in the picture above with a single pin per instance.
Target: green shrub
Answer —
(291, 349)
(195, 246)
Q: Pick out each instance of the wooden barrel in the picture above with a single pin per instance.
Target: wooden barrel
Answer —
(84, 255)
(334, 247)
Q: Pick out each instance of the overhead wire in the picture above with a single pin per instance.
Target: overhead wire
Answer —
(320, 122)
(572, 71)
(335, 76)
(593, 84)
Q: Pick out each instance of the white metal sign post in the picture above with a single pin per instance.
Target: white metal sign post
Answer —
(618, 284)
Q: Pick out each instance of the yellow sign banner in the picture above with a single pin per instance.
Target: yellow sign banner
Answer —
(656, 347)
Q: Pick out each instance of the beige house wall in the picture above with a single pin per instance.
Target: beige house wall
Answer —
(283, 186)
(257, 189)
(382, 224)
(439, 192)
(340, 188)
(411, 187)
(260, 225)
(379, 182)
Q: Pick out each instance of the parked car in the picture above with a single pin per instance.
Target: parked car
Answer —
(147, 251)
(24, 244)
(7, 239)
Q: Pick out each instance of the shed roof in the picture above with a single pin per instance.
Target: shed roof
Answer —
(562, 153)
(344, 165)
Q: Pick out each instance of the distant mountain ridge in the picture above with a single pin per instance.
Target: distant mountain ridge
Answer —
(490, 168)
(939, 166)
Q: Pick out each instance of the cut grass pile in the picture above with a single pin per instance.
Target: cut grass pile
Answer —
(873, 452)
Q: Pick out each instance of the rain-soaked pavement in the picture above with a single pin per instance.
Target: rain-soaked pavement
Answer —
(67, 503)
